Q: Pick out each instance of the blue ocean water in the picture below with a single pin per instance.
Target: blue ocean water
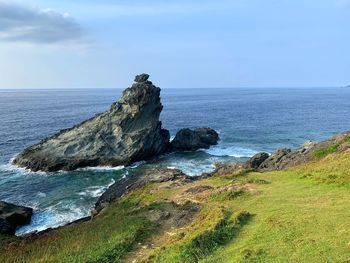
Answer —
(248, 119)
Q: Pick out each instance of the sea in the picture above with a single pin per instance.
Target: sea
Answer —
(249, 120)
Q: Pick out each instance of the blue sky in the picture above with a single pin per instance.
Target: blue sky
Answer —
(180, 43)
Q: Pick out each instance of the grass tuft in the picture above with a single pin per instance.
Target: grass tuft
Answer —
(228, 195)
(321, 153)
(204, 244)
(254, 181)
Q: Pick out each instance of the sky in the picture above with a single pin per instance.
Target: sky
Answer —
(65, 44)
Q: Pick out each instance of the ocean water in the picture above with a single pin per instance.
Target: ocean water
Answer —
(249, 120)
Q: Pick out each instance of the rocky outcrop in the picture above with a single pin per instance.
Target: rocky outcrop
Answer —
(274, 161)
(255, 161)
(285, 158)
(191, 140)
(129, 131)
(12, 216)
(133, 182)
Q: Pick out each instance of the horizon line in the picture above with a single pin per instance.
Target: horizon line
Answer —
(225, 87)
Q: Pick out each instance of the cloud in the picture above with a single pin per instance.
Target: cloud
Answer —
(33, 25)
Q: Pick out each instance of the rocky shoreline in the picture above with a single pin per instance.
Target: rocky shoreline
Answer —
(261, 162)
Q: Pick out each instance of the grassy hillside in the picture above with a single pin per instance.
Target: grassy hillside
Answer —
(297, 215)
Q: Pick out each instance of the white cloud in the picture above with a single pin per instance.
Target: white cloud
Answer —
(23, 24)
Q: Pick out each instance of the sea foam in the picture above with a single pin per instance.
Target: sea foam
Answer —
(232, 151)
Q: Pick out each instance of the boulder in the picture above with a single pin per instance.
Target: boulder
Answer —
(191, 140)
(129, 131)
(273, 162)
(12, 216)
(255, 161)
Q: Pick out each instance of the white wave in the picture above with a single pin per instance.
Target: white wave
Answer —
(41, 194)
(93, 191)
(96, 191)
(136, 164)
(102, 168)
(112, 182)
(52, 217)
(232, 151)
(191, 167)
(9, 167)
(196, 170)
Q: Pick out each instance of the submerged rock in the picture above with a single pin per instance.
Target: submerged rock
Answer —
(12, 216)
(129, 131)
(191, 140)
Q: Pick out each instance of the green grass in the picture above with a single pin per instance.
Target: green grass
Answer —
(228, 195)
(321, 153)
(204, 244)
(254, 181)
(325, 151)
(333, 169)
(296, 220)
(105, 239)
(202, 240)
(299, 215)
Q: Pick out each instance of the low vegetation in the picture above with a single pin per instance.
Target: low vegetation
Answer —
(295, 215)
(323, 152)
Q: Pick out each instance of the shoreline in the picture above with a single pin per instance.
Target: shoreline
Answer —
(122, 186)
(171, 210)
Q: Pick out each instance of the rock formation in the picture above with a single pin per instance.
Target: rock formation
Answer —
(12, 216)
(191, 140)
(131, 183)
(255, 161)
(129, 131)
(285, 158)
